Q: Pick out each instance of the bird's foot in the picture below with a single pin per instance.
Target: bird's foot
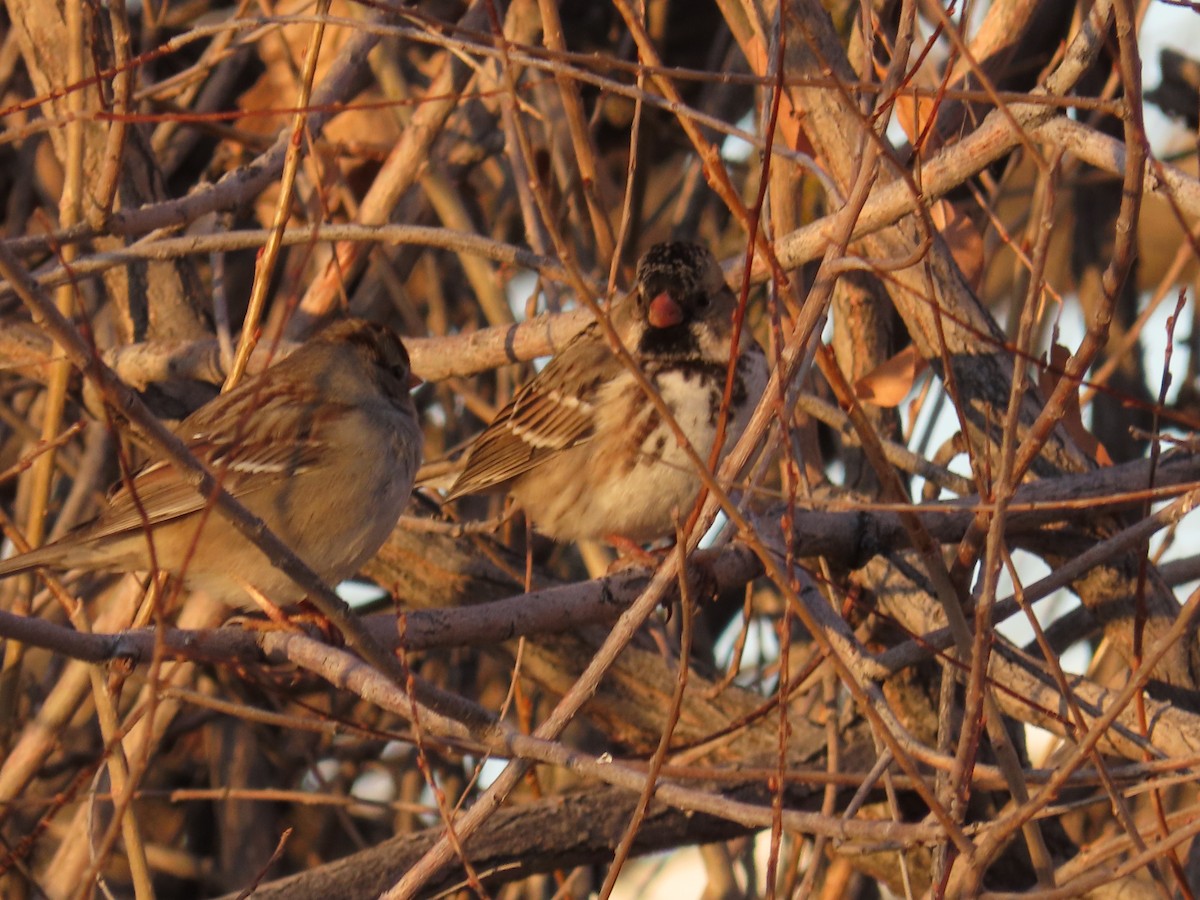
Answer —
(631, 555)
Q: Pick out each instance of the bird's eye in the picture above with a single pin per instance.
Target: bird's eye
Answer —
(702, 301)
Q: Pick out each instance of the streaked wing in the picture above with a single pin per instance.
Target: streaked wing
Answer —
(552, 413)
(265, 441)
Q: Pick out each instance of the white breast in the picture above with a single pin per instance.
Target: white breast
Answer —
(599, 489)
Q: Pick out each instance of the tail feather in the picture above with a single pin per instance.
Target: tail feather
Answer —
(50, 555)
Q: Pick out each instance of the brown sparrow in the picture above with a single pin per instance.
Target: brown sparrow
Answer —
(582, 449)
(323, 447)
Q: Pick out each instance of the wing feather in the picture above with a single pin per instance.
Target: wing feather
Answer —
(553, 412)
(263, 441)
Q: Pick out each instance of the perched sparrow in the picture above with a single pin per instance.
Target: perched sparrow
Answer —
(583, 450)
(323, 447)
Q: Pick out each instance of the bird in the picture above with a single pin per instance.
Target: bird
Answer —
(583, 450)
(323, 446)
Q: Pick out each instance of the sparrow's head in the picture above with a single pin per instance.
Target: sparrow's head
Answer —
(678, 283)
(378, 346)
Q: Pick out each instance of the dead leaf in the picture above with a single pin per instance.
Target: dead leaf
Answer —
(1072, 416)
(889, 383)
(963, 239)
(913, 114)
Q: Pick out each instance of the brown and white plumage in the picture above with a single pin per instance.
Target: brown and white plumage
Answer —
(323, 447)
(582, 449)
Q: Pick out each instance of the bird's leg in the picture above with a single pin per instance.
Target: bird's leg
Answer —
(631, 554)
(307, 614)
(268, 606)
(277, 619)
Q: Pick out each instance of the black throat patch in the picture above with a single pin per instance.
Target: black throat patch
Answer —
(676, 342)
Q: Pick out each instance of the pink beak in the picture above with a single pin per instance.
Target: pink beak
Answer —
(664, 311)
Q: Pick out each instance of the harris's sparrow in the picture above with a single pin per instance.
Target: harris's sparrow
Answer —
(323, 447)
(582, 449)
